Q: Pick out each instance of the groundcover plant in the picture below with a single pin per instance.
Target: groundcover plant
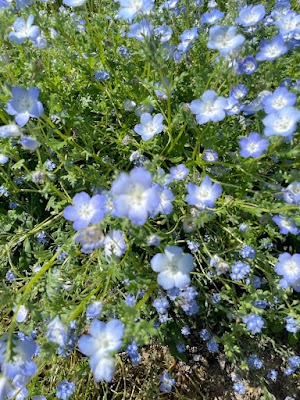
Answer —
(149, 198)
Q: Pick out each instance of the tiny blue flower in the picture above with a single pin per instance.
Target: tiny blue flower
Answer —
(179, 173)
(166, 382)
(212, 346)
(65, 389)
(204, 195)
(239, 388)
(239, 270)
(254, 362)
(289, 267)
(102, 75)
(291, 325)
(140, 30)
(248, 252)
(130, 300)
(94, 310)
(149, 126)
(114, 244)
(254, 323)
(272, 374)
(253, 145)
(210, 107)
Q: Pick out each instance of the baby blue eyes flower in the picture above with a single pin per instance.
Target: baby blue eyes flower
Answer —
(204, 195)
(24, 30)
(29, 143)
(179, 173)
(271, 49)
(225, 39)
(286, 225)
(114, 244)
(239, 388)
(291, 194)
(129, 9)
(173, 267)
(103, 340)
(254, 323)
(24, 104)
(212, 17)
(10, 130)
(57, 332)
(253, 145)
(279, 99)
(134, 196)
(149, 126)
(94, 310)
(86, 210)
(65, 389)
(247, 66)
(239, 270)
(282, 122)
(289, 267)
(166, 382)
(102, 75)
(251, 15)
(74, 3)
(90, 238)
(210, 107)
(3, 159)
(291, 325)
(140, 30)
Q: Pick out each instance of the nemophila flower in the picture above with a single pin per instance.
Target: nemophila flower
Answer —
(163, 32)
(291, 194)
(193, 246)
(24, 30)
(114, 244)
(210, 156)
(102, 341)
(86, 210)
(166, 382)
(239, 388)
(161, 305)
(149, 126)
(153, 240)
(272, 374)
(180, 347)
(179, 173)
(260, 304)
(101, 75)
(185, 330)
(254, 362)
(289, 267)
(224, 39)
(286, 225)
(94, 310)
(248, 252)
(204, 334)
(3, 159)
(294, 362)
(282, 123)
(204, 195)
(29, 143)
(279, 99)
(10, 130)
(129, 9)
(288, 23)
(254, 323)
(50, 165)
(247, 66)
(291, 325)
(166, 197)
(90, 238)
(57, 332)
(212, 17)
(140, 30)
(216, 298)
(64, 390)
(251, 15)
(212, 346)
(22, 313)
(256, 104)
(134, 195)
(4, 191)
(132, 351)
(130, 300)
(24, 104)
(124, 52)
(74, 3)
(210, 107)
(239, 91)
(173, 267)
(271, 49)
(253, 145)
(239, 270)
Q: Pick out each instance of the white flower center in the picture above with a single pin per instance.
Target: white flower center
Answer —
(252, 147)
(292, 268)
(86, 211)
(23, 103)
(283, 124)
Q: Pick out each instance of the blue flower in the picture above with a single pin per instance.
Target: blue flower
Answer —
(254, 362)
(161, 305)
(212, 346)
(272, 374)
(225, 39)
(140, 30)
(271, 49)
(74, 3)
(64, 390)
(211, 107)
(174, 267)
(286, 225)
(29, 143)
(103, 340)
(114, 244)
(204, 195)
(132, 351)
(291, 194)
(210, 155)
(129, 9)
(94, 310)
(291, 325)
(90, 238)
(289, 267)
(163, 32)
(254, 323)
(166, 382)
(3, 159)
(247, 66)
(179, 173)
(282, 122)
(101, 75)
(239, 388)
(134, 195)
(24, 105)
(239, 91)
(130, 300)
(57, 332)
(24, 30)
(251, 15)
(279, 99)
(86, 210)
(185, 330)
(212, 17)
(239, 270)
(10, 130)
(248, 252)
(166, 197)
(260, 304)
(204, 334)
(253, 145)
(149, 126)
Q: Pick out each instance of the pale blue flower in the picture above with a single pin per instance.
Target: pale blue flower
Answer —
(140, 30)
(24, 104)
(271, 49)
(289, 267)
(225, 39)
(57, 332)
(204, 195)
(149, 126)
(212, 17)
(74, 3)
(210, 107)
(24, 30)
(254, 323)
(251, 15)
(129, 9)
(179, 173)
(114, 244)
(102, 341)
(166, 382)
(134, 195)
(282, 122)
(10, 130)
(90, 238)
(278, 100)
(286, 225)
(253, 145)
(64, 390)
(3, 159)
(29, 143)
(86, 210)
(173, 267)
